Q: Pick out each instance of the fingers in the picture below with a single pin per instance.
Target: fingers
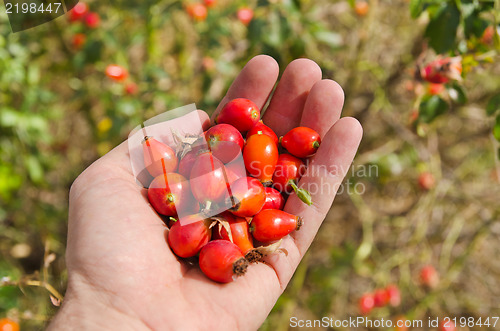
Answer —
(323, 106)
(323, 177)
(255, 82)
(285, 110)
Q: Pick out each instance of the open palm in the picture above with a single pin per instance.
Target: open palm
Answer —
(123, 275)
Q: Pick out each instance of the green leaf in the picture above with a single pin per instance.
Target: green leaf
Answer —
(431, 107)
(493, 105)
(416, 8)
(442, 29)
(496, 128)
(34, 168)
(329, 38)
(474, 25)
(457, 94)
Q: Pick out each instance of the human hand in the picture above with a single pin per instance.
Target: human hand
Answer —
(121, 272)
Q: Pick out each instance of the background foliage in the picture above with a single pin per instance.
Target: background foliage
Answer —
(59, 112)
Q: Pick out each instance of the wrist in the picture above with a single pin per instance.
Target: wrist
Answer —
(85, 309)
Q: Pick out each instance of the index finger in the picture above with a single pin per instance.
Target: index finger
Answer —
(255, 82)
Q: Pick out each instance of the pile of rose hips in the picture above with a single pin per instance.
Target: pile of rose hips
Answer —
(249, 178)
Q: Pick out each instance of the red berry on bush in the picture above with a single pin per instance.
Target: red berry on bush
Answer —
(380, 298)
(158, 157)
(274, 199)
(426, 181)
(187, 239)
(393, 295)
(224, 141)
(222, 261)
(6, 324)
(245, 15)
(435, 89)
(270, 225)
(247, 196)
(241, 113)
(116, 72)
(210, 3)
(197, 11)
(78, 40)
(92, 20)
(442, 70)
(131, 88)
(429, 276)
(366, 303)
(361, 8)
(301, 141)
(78, 12)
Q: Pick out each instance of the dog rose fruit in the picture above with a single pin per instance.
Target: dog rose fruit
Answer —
(274, 199)
(225, 142)
(158, 157)
(261, 128)
(208, 179)
(261, 155)
(170, 193)
(366, 303)
(187, 240)
(240, 233)
(301, 141)
(271, 224)
(241, 113)
(222, 261)
(116, 72)
(247, 196)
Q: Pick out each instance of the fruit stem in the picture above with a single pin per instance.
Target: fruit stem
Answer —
(303, 195)
(316, 144)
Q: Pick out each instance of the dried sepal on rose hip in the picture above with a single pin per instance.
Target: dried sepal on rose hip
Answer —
(258, 253)
(222, 261)
(301, 141)
(234, 229)
(187, 239)
(271, 224)
(241, 113)
(260, 155)
(159, 158)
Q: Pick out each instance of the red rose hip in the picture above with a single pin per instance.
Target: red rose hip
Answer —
(261, 128)
(208, 179)
(241, 113)
(301, 141)
(260, 156)
(158, 157)
(225, 142)
(222, 261)
(187, 240)
(271, 225)
(274, 199)
(170, 194)
(247, 196)
(240, 233)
